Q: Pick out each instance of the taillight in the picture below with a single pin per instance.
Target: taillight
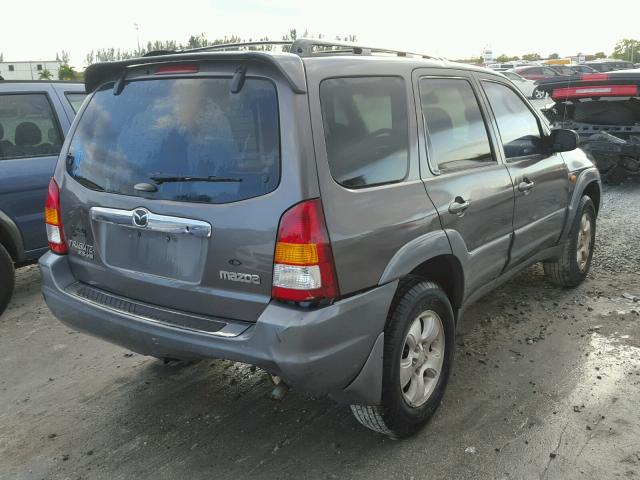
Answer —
(176, 69)
(595, 91)
(53, 220)
(303, 267)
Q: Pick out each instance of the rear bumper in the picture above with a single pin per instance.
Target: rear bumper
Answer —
(329, 351)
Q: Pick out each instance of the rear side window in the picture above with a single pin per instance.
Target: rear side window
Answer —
(518, 126)
(191, 139)
(457, 134)
(366, 129)
(75, 99)
(28, 127)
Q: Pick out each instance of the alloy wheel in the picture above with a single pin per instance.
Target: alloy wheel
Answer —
(584, 242)
(422, 358)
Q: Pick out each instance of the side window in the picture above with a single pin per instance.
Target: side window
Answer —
(518, 126)
(365, 129)
(457, 134)
(75, 99)
(27, 127)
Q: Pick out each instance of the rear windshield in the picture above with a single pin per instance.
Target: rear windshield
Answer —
(189, 140)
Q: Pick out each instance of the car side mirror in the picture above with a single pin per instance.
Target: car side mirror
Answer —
(563, 140)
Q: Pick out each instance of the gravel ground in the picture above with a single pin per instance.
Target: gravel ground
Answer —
(546, 384)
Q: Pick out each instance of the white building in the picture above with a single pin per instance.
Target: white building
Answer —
(29, 70)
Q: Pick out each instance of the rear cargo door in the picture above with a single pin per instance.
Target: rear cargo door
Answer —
(170, 192)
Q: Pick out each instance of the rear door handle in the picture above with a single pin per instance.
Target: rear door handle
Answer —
(458, 206)
(525, 185)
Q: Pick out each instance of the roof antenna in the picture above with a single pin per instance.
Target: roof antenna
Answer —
(238, 79)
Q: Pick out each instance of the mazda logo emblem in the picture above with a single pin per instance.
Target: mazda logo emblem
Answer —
(140, 217)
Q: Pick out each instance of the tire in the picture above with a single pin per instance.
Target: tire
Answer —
(539, 94)
(7, 278)
(405, 410)
(615, 176)
(570, 270)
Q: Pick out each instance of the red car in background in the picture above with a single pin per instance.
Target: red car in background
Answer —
(536, 72)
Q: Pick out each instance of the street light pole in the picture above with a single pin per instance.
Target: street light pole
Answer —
(137, 27)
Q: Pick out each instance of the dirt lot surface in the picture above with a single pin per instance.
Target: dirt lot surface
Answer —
(546, 384)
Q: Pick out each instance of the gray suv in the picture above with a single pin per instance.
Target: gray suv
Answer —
(326, 213)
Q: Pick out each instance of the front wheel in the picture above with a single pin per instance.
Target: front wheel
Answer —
(573, 265)
(7, 278)
(418, 353)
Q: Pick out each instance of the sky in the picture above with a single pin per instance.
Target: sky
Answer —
(453, 29)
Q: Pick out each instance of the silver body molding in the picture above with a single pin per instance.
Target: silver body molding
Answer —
(154, 222)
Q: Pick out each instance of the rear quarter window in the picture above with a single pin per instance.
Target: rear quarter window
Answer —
(366, 129)
(75, 100)
(191, 139)
(28, 126)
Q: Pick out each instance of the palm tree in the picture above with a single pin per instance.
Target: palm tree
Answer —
(66, 72)
(45, 75)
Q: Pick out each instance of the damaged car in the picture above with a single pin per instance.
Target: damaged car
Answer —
(604, 109)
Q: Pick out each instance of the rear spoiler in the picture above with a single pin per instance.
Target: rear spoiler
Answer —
(289, 65)
(625, 83)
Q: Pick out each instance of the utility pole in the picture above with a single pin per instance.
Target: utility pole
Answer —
(137, 27)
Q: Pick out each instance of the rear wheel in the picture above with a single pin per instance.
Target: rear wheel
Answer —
(418, 354)
(7, 278)
(572, 267)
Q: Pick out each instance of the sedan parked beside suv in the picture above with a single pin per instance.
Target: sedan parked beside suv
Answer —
(34, 119)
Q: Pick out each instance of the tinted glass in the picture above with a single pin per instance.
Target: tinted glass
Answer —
(27, 127)
(75, 99)
(192, 139)
(456, 130)
(365, 128)
(518, 126)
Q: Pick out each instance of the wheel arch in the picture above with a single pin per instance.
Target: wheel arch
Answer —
(10, 237)
(430, 257)
(592, 190)
(588, 183)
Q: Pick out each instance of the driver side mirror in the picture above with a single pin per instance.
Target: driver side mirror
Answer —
(563, 140)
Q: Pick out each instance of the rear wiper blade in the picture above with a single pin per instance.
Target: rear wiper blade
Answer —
(84, 181)
(160, 179)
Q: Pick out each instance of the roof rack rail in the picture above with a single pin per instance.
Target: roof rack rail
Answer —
(306, 47)
(309, 47)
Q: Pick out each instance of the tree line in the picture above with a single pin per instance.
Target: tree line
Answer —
(625, 49)
(197, 41)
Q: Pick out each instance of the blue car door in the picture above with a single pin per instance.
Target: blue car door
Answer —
(32, 127)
